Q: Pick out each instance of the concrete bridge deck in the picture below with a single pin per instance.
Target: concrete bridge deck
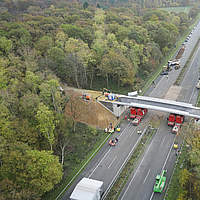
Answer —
(159, 104)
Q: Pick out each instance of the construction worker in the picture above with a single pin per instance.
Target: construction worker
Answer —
(116, 139)
(167, 76)
(138, 132)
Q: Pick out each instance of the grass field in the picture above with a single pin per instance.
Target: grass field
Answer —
(177, 9)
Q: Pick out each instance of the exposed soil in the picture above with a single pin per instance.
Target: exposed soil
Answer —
(99, 116)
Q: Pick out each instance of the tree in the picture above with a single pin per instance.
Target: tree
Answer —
(5, 46)
(75, 108)
(85, 5)
(46, 124)
(163, 37)
(30, 173)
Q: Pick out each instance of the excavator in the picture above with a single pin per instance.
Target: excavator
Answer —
(106, 92)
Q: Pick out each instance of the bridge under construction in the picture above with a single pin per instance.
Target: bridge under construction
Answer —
(169, 106)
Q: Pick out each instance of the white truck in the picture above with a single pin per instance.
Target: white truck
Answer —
(87, 189)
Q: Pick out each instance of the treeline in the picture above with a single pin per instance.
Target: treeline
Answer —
(189, 175)
(39, 139)
(78, 44)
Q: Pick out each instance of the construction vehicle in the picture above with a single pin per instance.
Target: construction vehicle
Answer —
(167, 68)
(86, 96)
(175, 121)
(171, 120)
(137, 115)
(175, 63)
(106, 92)
(178, 123)
(87, 189)
(160, 182)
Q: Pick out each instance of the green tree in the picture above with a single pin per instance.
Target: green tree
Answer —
(5, 46)
(46, 124)
(85, 5)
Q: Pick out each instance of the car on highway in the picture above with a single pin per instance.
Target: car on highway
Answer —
(184, 43)
(164, 73)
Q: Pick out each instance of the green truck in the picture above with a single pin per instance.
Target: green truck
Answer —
(160, 182)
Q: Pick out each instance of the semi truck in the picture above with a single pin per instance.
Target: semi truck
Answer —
(137, 115)
(87, 189)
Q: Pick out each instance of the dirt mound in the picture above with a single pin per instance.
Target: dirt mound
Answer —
(180, 53)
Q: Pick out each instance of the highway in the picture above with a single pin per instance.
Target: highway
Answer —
(108, 161)
(160, 154)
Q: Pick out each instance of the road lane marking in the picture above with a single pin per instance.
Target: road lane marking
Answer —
(106, 154)
(163, 141)
(192, 94)
(165, 162)
(105, 193)
(146, 176)
(188, 84)
(158, 93)
(156, 86)
(138, 168)
(194, 72)
(112, 162)
(124, 130)
(132, 132)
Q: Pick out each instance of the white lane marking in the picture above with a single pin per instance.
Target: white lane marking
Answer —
(112, 162)
(156, 86)
(146, 176)
(158, 93)
(151, 195)
(194, 72)
(188, 84)
(99, 163)
(123, 164)
(169, 153)
(124, 130)
(132, 132)
(163, 141)
(106, 154)
(164, 163)
(138, 168)
(192, 94)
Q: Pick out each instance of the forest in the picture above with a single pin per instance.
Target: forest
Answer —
(44, 43)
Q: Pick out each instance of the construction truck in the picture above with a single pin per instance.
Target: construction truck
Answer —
(89, 189)
(137, 114)
(167, 68)
(175, 121)
(175, 63)
(178, 123)
(160, 182)
(171, 119)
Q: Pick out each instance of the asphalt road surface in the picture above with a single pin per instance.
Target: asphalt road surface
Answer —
(108, 161)
(160, 154)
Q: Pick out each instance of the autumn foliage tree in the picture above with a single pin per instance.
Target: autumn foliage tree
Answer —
(75, 108)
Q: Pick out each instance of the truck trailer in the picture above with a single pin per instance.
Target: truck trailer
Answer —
(87, 189)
